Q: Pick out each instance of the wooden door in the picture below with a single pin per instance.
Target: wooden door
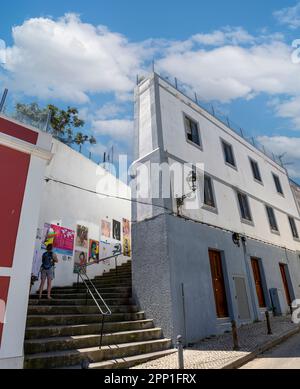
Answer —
(258, 283)
(218, 283)
(285, 283)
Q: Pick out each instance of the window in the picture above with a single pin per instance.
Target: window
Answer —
(244, 207)
(272, 219)
(228, 154)
(277, 184)
(293, 227)
(255, 170)
(192, 130)
(209, 198)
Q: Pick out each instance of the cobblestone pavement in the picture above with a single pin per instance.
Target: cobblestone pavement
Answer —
(216, 352)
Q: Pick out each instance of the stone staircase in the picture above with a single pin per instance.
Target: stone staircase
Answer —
(64, 332)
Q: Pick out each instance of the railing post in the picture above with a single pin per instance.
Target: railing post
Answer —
(101, 336)
(3, 99)
(180, 352)
(235, 338)
(269, 323)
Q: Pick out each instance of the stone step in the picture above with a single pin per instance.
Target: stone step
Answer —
(114, 275)
(72, 309)
(74, 296)
(82, 289)
(89, 300)
(64, 319)
(106, 284)
(86, 329)
(127, 362)
(94, 354)
(47, 345)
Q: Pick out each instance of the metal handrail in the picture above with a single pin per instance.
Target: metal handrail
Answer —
(92, 290)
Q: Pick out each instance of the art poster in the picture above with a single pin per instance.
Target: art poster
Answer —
(105, 228)
(116, 230)
(63, 242)
(82, 237)
(80, 260)
(93, 251)
(109, 249)
(126, 246)
(48, 235)
(126, 238)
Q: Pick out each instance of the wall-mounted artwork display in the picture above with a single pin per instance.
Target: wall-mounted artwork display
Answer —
(126, 238)
(48, 235)
(63, 242)
(93, 251)
(116, 230)
(80, 260)
(109, 249)
(126, 247)
(126, 227)
(82, 236)
(105, 228)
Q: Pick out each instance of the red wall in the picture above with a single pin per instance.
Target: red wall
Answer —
(4, 286)
(17, 131)
(14, 167)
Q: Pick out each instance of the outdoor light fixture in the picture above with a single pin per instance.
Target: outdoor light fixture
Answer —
(236, 238)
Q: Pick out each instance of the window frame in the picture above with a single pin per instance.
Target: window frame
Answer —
(244, 220)
(274, 231)
(206, 206)
(294, 228)
(253, 161)
(186, 116)
(276, 177)
(224, 144)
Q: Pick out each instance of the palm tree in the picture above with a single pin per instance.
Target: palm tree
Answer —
(80, 140)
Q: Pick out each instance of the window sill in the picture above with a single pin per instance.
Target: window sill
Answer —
(275, 232)
(248, 222)
(258, 182)
(232, 166)
(210, 209)
(199, 147)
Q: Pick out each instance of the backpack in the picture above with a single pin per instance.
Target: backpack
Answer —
(47, 260)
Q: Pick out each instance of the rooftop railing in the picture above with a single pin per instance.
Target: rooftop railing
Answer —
(211, 109)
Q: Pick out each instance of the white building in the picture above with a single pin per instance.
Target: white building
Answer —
(234, 256)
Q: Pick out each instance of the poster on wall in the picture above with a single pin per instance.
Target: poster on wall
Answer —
(116, 230)
(63, 242)
(80, 259)
(126, 238)
(93, 251)
(105, 228)
(82, 236)
(109, 249)
(48, 236)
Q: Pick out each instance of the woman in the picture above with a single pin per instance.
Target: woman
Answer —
(49, 260)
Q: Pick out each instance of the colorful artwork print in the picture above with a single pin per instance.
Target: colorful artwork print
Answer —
(126, 238)
(82, 236)
(48, 236)
(105, 228)
(63, 241)
(126, 227)
(116, 230)
(94, 251)
(80, 260)
(126, 247)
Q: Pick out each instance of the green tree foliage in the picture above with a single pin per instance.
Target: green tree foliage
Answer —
(62, 124)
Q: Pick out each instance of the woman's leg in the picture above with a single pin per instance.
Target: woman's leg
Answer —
(49, 284)
(43, 279)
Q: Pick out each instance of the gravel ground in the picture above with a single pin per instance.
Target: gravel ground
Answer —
(216, 353)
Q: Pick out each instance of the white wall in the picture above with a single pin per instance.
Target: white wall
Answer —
(69, 206)
(11, 351)
(225, 178)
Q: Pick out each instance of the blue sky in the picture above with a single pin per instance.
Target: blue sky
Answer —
(235, 54)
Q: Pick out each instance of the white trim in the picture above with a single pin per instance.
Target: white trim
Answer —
(25, 147)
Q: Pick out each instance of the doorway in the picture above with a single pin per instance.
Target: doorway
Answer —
(258, 282)
(283, 271)
(218, 284)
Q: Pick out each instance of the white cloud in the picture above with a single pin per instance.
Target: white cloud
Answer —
(69, 59)
(289, 16)
(228, 35)
(288, 147)
(119, 129)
